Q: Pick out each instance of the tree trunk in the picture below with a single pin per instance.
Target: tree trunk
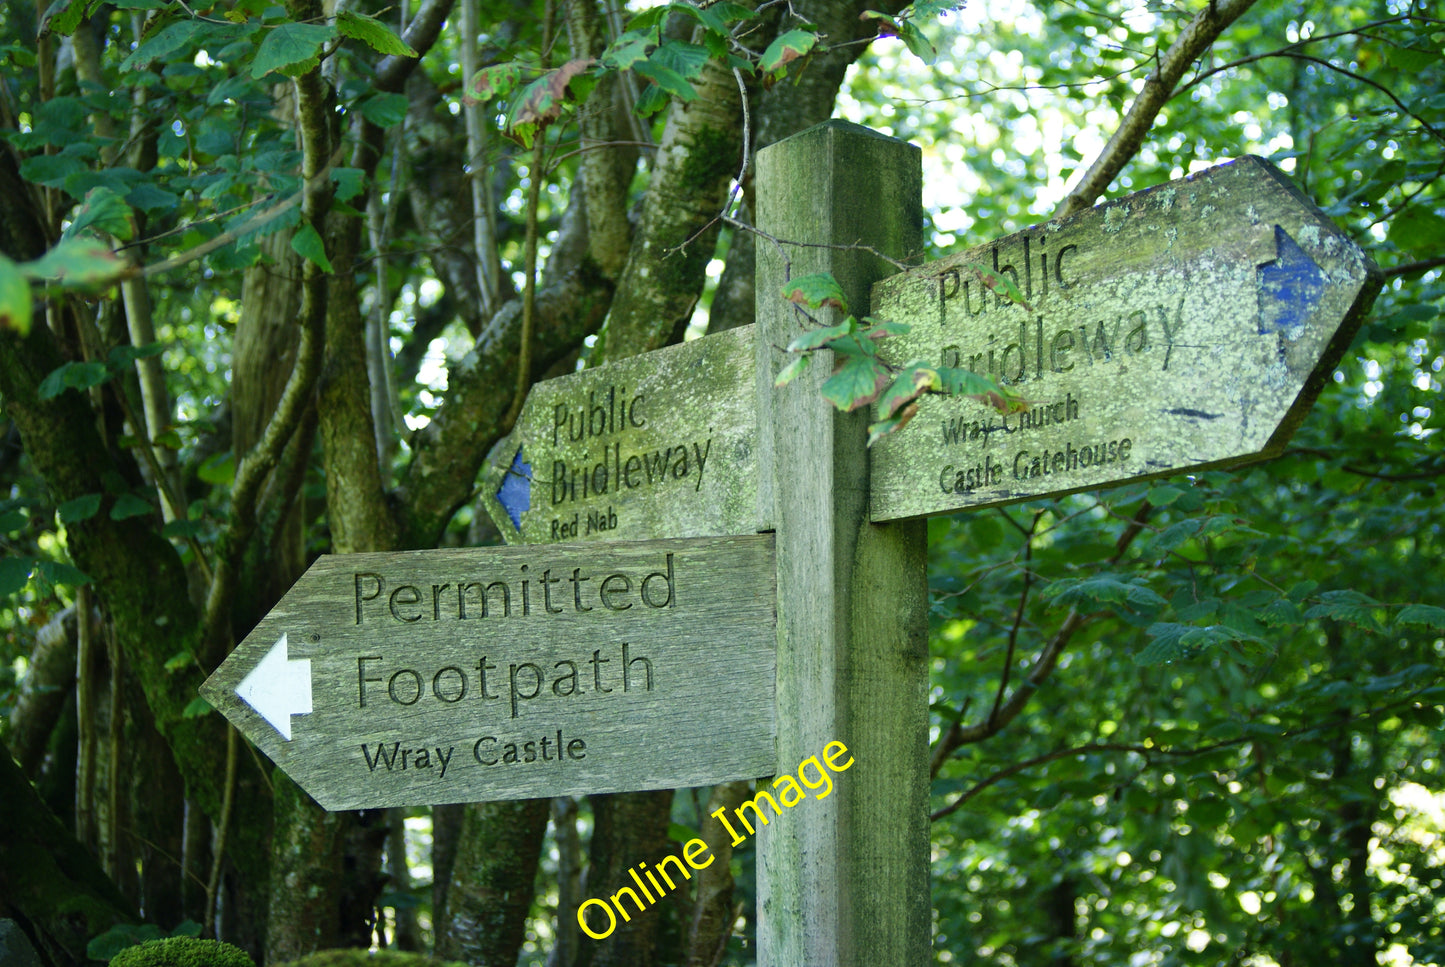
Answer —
(49, 883)
(485, 918)
(627, 829)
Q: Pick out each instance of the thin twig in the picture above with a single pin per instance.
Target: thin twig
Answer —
(1281, 51)
(529, 289)
(1047, 660)
(1370, 82)
(228, 798)
(1013, 635)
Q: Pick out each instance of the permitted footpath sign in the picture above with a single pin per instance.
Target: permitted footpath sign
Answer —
(658, 445)
(1186, 326)
(468, 675)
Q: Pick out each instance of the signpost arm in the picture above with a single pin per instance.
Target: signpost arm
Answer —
(848, 884)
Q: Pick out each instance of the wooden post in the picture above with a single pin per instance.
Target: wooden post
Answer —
(845, 882)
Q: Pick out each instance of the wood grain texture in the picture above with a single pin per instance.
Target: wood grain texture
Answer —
(656, 656)
(845, 882)
(658, 445)
(1187, 326)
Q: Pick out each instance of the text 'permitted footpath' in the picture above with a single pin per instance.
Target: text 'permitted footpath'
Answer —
(501, 673)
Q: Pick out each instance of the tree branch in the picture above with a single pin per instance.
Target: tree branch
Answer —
(421, 34)
(253, 468)
(451, 449)
(1201, 32)
(1044, 665)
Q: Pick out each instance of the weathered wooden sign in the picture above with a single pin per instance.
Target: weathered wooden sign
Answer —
(659, 445)
(466, 675)
(1186, 326)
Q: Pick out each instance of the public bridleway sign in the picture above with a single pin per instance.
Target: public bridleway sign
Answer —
(658, 445)
(1186, 326)
(468, 675)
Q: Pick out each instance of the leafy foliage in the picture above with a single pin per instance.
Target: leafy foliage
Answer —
(860, 378)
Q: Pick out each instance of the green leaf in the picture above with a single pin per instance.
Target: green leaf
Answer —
(1348, 606)
(964, 382)
(793, 370)
(684, 58)
(103, 211)
(930, 9)
(77, 262)
(881, 330)
(1164, 496)
(1422, 615)
(856, 383)
(1000, 283)
(1174, 642)
(787, 48)
(817, 291)
(650, 101)
(181, 659)
(489, 83)
(912, 381)
(50, 170)
(56, 573)
(16, 309)
(1418, 230)
(218, 468)
(913, 37)
(1410, 59)
(541, 102)
(877, 431)
(669, 81)
(1101, 589)
(170, 40)
(730, 12)
(14, 574)
(626, 51)
(198, 707)
(63, 16)
(73, 375)
(129, 505)
(307, 244)
(372, 32)
(181, 529)
(79, 509)
(292, 49)
(384, 110)
(148, 198)
(349, 182)
(122, 356)
(815, 338)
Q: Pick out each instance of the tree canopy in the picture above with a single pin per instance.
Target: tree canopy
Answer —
(275, 279)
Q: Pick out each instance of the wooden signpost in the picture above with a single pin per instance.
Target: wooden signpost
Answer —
(1187, 326)
(660, 445)
(467, 675)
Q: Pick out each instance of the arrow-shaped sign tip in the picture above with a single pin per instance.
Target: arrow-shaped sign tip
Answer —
(278, 688)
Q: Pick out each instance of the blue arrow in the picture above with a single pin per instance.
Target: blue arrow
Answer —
(1289, 289)
(515, 493)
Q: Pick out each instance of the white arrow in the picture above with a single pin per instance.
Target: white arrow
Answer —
(278, 688)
